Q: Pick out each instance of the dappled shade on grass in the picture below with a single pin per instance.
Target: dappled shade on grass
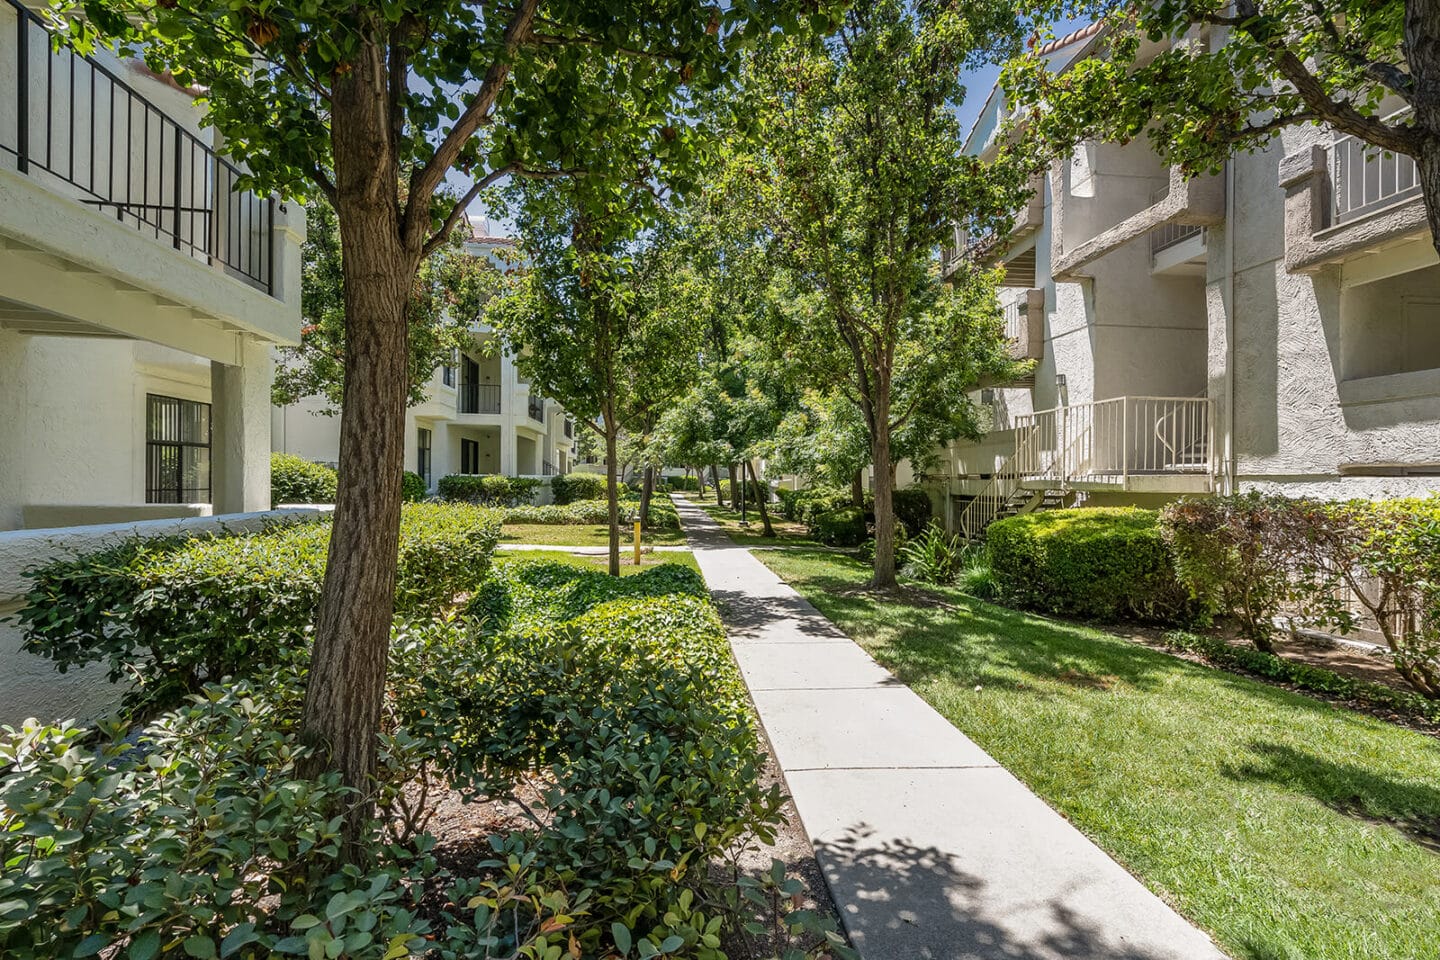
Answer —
(1284, 826)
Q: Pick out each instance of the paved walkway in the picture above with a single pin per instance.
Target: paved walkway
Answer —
(932, 851)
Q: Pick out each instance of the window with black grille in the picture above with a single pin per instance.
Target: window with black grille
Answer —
(177, 450)
(422, 459)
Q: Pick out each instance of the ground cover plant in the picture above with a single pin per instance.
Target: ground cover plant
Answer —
(579, 535)
(602, 709)
(1284, 826)
(168, 615)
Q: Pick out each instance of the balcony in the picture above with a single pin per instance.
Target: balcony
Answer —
(74, 126)
(1135, 444)
(536, 408)
(478, 398)
(569, 429)
(1024, 325)
(1365, 179)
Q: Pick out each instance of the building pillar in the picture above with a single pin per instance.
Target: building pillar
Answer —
(240, 425)
(508, 442)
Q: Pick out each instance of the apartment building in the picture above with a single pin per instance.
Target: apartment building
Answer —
(480, 415)
(1273, 327)
(141, 292)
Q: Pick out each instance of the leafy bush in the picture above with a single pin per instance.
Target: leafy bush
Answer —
(803, 506)
(933, 556)
(1106, 563)
(297, 480)
(674, 484)
(976, 576)
(488, 489)
(752, 490)
(844, 527)
(198, 836)
(169, 615)
(544, 592)
(412, 487)
(912, 508)
(1232, 553)
(662, 513)
(581, 486)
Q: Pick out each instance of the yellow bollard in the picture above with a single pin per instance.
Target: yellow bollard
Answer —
(637, 543)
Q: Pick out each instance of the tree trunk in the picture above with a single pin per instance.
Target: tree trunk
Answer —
(1422, 48)
(884, 576)
(769, 531)
(700, 483)
(715, 476)
(737, 491)
(345, 692)
(857, 489)
(612, 496)
(647, 490)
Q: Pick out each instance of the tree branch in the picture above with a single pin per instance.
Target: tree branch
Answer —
(426, 179)
(457, 211)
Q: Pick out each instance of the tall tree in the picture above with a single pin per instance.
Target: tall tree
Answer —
(1270, 64)
(449, 290)
(364, 103)
(858, 177)
(592, 312)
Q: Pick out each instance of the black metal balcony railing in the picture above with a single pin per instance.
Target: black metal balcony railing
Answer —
(83, 131)
(569, 429)
(537, 408)
(548, 469)
(479, 398)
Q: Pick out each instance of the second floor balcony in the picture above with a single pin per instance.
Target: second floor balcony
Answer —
(478, 398)
(536, 408)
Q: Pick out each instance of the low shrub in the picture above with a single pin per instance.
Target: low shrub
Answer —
(803, 506)
(1103, 563)
(297, 480)
(170, 615)
(913, 509)
(581, 486)
(412, 487)
(933, 556)
(752, 490)
(686, 483)
(488, 489)
(1304, 675)
(843, 527)
(662, 513)
(545, 592)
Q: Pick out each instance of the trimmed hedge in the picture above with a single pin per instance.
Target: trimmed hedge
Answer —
(412, 487)
(172, 614)
(297, 480)
(573, 487)
(488, 489)
(844, 527)
(674, 484)
(662, 513)
(1101, 563)
(803, 506)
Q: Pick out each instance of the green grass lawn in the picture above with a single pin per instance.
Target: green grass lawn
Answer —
(1285, 827)
(580, 535)
(786, 533)
(592, 562)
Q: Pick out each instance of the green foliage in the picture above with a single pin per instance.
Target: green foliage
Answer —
(170, 615)
(685, 483)
(977, 577)
(803, 506)
(488, 489)
(523, 594)
(198, 835)
(1102, 563)
(932, 556)
(1303, 675)
(297, 480)
(412, 487)
(841, 527)
(595, 512)
(913, 509)
(752, 491)
(581, 486)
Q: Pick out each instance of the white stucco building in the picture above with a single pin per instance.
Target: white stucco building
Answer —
(1273, 327)
(140, 296)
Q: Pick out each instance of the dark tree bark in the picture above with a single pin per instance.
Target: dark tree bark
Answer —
(700, 482)
(769, 531)
(1422, 48)
(647, 490)
(345, 693)
(715, 476)
(857, 489)
(737, 491)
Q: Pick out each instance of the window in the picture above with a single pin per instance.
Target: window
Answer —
(177, 450)
(447, 375)
(469, 456)
(422, 458)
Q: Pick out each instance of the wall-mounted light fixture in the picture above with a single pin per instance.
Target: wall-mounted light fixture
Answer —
(1059, 381)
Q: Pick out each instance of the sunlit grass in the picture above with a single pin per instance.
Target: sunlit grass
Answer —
(581, 535)
(1285, 827)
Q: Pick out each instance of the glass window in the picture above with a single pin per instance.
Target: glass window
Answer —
(177, 450)
(422, 460)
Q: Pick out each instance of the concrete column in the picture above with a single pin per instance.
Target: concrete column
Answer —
(508, 443)
(240, 445)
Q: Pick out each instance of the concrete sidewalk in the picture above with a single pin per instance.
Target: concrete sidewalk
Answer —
(931, 850)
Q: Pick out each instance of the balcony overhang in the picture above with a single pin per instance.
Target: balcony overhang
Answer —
(1192, 201)
(1378, 244)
